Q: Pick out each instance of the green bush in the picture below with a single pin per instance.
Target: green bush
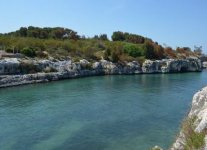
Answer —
(128, 37)
(9, 50)
(30, 52)
(115, 56)
(118, 36)
(149, 50)
(107, 53)
(133, 50)
(194, 140)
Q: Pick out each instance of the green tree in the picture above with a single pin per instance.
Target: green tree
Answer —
(159, 52)
(23, 32)
(103, 37)
(44, 34)
(118, 36)
(133, 38)
(149, 50)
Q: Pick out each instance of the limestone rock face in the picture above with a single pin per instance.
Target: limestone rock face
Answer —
(133, 66)
(51, 69)
(14, 66)
(172, 65)
(9, 66)
(150, 66)
(61, 66)
(97, 66)
(204, 64)
(199, 111)
(107, 67)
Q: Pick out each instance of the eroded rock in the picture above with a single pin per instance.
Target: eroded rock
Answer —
(52, 69)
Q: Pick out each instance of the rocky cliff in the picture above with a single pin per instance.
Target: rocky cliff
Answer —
(193, 135)
(204, 64)
(23, 71)
(172, 65)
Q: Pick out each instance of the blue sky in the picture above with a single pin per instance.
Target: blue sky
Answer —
(173, 22)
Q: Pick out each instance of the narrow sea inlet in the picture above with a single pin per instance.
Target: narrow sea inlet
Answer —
(97, 113)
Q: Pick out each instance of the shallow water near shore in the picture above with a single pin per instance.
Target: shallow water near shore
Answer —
(133, 112)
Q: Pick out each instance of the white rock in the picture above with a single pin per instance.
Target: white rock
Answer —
(198, 110)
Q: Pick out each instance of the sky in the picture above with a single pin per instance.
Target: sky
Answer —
(170, 22)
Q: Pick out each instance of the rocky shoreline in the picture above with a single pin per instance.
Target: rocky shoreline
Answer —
(15, 71)
(198, 117)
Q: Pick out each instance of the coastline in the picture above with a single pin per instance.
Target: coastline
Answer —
(50, 77)
(12, 69)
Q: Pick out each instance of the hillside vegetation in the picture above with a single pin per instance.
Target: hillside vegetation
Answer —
(62, 43)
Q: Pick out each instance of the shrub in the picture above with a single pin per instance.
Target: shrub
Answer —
(149, 50)
(107, 53)
(170, 52)
(159, 52)
(114, 57)
(194, 140)
(76, 59)
(125, 57)
(30, 52)
(133, 50)
(128, 37)
(141, 60)
(9, 50)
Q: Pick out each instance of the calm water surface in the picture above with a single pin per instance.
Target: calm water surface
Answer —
(97, 113)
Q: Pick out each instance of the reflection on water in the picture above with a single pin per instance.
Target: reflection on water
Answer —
(97, 113)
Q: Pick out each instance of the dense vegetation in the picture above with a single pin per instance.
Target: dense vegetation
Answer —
(62, 42)
(194, 140)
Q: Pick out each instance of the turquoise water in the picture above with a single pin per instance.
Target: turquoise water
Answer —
(97, 113)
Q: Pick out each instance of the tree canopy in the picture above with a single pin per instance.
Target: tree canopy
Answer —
(45, 33)
(61, 42)
(127, 37)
